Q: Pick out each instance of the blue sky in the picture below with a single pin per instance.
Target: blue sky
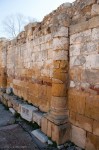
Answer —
(33, 8)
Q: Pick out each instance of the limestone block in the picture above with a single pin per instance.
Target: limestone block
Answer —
(81, 37)
(77, 101)
(84, 122)
(40, 135)
(95, 34)
(78, 136)
(75, 50)
(94, 22)
(16, 103)
(91, 76)
(12, 111)
(92, 107)
(80, 27)
(27, 111)
(60, 43)
(60, 55)
(95, 9)
(92, 142)
(37, 116)
(61, 32)
(96, 128)
(77, 61)
(60, 74)
(44, 125)
(49, 129)
(92, 61)
(61, 133)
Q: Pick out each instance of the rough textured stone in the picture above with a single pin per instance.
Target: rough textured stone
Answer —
(40, 135)
(92, 142)
(95, 10)
(37, 116)
(27, 111)
(78, 136)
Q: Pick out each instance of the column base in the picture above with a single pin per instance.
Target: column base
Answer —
(60, 133)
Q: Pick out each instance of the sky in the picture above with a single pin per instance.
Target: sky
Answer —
(33, 8)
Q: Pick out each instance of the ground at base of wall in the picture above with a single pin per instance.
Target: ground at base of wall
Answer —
(15, 133)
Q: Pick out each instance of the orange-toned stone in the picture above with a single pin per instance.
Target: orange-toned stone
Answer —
(84, 122)
(92, 142)
(60, 74)
(92, 107)
(76, 101)
(96, 128)
(61, 133)
(59, 90)
(78, 136)
(44, 125)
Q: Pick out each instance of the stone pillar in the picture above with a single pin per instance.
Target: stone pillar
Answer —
(55, 124)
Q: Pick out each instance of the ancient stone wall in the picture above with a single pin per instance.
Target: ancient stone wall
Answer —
(55, 66)
(84, 74)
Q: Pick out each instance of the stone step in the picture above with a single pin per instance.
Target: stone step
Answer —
(40, 135)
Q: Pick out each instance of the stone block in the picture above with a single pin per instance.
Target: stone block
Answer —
(94, 22)
(49, 129)
(81, 37)
(44, 125)
(78, 136)
(60, 43)
(76, 101)
(40, 135)
(96, 128)
(92, 107)
(12, 111)
(84, 122)
(61, 133)
(37, 116)
(61, 32)
(79, 27)
(60, 55)
(92, 61)
(92, 142)
(60, 74)
(27, 112)
(95, 34)
(95, 10)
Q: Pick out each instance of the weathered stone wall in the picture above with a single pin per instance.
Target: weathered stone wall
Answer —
(55, 66)
(30, 59)
(30, 66)
(84, 74)
(3, 63)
